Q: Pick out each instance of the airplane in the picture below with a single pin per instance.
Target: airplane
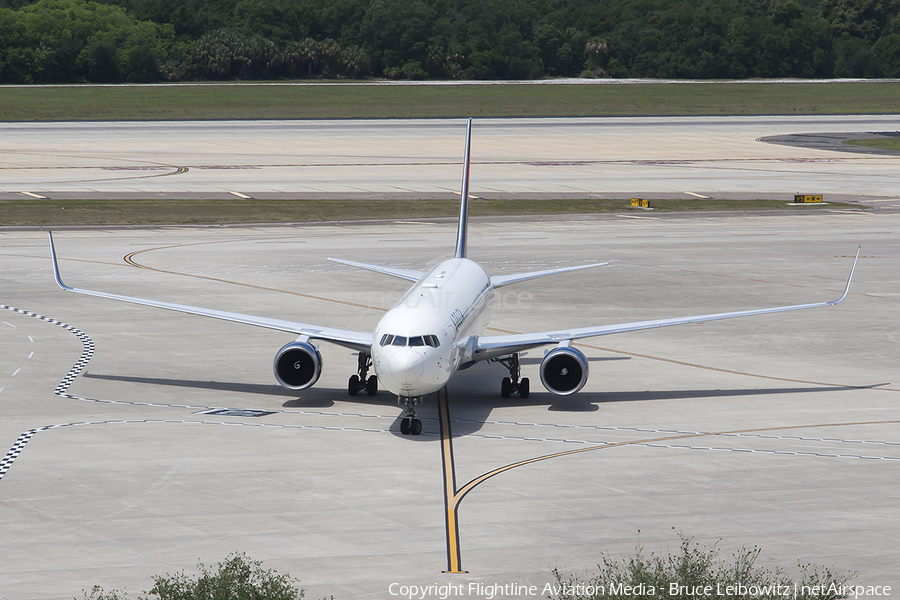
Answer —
(437, 329)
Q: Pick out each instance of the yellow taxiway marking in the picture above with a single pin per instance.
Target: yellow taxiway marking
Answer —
(129, 258)
(453, 497)
(450, 502)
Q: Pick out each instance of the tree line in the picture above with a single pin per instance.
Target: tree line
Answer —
(110, 41)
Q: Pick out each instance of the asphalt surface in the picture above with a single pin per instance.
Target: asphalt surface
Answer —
(680, 157)
(778, 431)
(142, 442)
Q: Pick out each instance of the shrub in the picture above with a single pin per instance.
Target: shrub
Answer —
(694, 568)
(237, 578)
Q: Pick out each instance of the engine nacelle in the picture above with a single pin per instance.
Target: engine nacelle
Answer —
(298, 365)
(564, 370)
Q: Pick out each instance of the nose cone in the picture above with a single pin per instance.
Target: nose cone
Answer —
(406, 366)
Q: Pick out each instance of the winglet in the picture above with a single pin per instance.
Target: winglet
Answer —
(849, 279)
(464, 201)
(56, 276)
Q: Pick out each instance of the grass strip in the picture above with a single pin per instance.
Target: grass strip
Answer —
(55, 213)
(354, 100)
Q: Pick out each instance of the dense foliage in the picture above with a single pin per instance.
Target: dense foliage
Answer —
(236, 578)
(695, 573)
(173, 40)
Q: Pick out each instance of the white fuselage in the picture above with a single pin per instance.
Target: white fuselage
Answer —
(414, 347)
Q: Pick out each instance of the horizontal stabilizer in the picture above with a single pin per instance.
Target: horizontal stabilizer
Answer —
(501, 280)
(408, 274)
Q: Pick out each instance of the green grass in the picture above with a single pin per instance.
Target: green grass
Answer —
(353, 100)
(886, 143)
(54, 213)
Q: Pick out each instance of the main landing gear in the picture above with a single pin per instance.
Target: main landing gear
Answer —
(410, 425)
(512, 384)
(362, 381)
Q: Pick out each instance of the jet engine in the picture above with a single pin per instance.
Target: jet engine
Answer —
(564, 370)
(297, 365)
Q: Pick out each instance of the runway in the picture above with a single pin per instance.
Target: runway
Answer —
(520, 158)
(778, 431)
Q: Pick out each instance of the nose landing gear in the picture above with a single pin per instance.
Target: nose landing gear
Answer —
(362, 381)
(512, 384)
(410, 425)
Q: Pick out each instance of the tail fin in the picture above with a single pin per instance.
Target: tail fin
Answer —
(464, 202)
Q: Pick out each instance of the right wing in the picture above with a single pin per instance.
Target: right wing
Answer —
(477, 348)
(355, 340)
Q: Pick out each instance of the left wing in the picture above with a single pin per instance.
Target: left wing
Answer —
(482, 348)
(355, 340)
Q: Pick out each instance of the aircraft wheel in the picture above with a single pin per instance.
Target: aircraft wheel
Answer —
(404, 426)
(372, 385)
(524, 388)
(415, 427)
(353, 385)
(505, 387)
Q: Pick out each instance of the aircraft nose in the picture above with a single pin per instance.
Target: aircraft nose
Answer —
(407, 366)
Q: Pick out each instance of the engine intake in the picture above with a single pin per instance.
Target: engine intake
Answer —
(564, 370)
(298, 365)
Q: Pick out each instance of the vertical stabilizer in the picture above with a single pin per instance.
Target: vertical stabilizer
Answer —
(464, 200)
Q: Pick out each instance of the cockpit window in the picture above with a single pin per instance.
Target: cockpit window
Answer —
(418, 340)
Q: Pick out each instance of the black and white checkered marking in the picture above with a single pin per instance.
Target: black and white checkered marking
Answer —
(16, 449)
(86, 354)
(61, 390)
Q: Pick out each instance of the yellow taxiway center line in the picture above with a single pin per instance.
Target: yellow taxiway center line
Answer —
(452, 524)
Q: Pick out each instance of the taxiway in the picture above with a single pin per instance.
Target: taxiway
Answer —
(653, 157)
(779, 431)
